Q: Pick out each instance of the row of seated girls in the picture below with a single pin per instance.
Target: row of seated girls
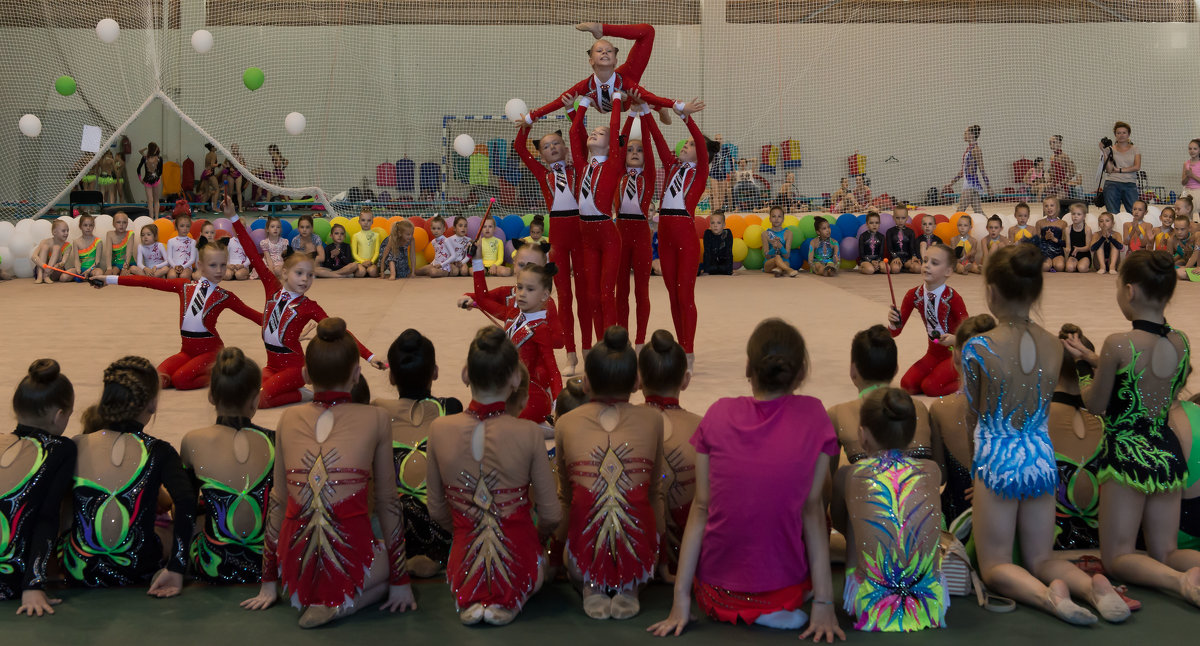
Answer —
(729, 505)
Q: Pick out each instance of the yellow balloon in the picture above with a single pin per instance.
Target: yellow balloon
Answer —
(739, 250)
(790, 221)
(352, 228)
(419, 260)
(753, 236)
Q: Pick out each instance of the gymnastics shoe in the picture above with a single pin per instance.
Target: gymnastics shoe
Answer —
(625, 606)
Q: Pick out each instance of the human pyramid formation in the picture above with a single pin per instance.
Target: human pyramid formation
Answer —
(728, 506)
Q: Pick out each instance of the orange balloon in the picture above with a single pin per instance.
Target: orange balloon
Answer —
(736, 225)
(751, 218)
(945, 231)
(166, 229)
(429, 253)
(420, 239)
(701, 226)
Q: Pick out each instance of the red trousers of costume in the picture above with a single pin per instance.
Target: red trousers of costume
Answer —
(679, 257)
(283, 377)
(634, 261)
(188, 369)
(933, 374)
(601, 263)
(565, 252)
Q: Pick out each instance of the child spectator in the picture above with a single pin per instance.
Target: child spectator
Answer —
(339, 259)
(396, 250)
(871, 246)
(718, 247)
(364, 246)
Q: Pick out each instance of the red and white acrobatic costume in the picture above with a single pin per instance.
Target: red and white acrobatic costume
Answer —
(200, 303)
(626, 78)
(598, 233)
(678, 245)
(634, 193)
(536, 335)
(942, 311)
(283, 319)
(558, 183)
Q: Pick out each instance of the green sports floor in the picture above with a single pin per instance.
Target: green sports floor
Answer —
(210, 615)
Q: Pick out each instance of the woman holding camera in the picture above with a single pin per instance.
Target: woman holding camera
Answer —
(1122, 161)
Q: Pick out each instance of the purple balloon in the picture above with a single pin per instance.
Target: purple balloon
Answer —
(223, 224)
(849, 248)
(886, 222)
(472, 226)
(508, 252)
(499, 233)
(258, 235)
(861, 228)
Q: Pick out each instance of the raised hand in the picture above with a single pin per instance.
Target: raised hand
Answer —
(596, 29)
(693, 106)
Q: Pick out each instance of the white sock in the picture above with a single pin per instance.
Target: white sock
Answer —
(783, 619)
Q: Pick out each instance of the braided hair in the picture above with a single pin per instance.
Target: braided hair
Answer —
(130, 385)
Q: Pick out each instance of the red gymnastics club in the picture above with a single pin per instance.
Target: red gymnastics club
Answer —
(887, 270)
(64, 271)
(486, 214)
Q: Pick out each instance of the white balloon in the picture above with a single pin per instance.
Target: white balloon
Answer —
(105, 220)
(41, 229)
(23, 267)
(6, 232)
(30, 125)
(23, 226)
(294, 123)
(202, 41)
(136, 225)
(515, 109)
(6, 258)
(108, 30)
(464, 145)
(21, 244)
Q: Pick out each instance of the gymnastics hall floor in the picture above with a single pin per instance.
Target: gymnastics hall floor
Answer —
(85, 329)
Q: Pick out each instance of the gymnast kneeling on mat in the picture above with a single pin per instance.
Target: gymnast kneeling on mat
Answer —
(942, 310)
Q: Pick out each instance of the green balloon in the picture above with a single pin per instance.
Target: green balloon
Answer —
(321, 227)
(253, 77)
(527, 218)
(753, 259)
(808, 226)
(65, 85)
(797, 235)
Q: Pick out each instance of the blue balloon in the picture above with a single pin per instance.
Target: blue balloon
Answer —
(862, 219)
(260, 223)
(796, 259)
(847, 225)
(513, 226)
(286, 230)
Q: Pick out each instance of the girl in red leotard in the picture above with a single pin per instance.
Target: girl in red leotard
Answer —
(634, 193)
(678, 246)
(528, 322)
(286, 313)
(201, 301)
(558, 182)
(597, 186)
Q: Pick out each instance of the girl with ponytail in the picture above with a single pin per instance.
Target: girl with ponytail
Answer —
(609, 455)
(487, 474)
(36, 468)
(662, 366)
(756, 545)
(118, 475)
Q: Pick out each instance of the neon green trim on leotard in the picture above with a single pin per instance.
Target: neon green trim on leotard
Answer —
(88, 543)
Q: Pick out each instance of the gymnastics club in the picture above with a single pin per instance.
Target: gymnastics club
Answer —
(486, 214)
(45, 266)
(887, 269)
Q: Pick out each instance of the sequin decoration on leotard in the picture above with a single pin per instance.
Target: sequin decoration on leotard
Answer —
(1139, 450)
(219, 553)
(899, 587)
(613, 536)
(26, 538)
(136, 552)
(494, 559)
(1014, 462)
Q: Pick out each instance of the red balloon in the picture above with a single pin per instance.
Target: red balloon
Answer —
(941, 218)
(196, 226)
(701, 226)
(222, 234)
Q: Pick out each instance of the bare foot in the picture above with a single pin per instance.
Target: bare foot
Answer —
(1107, 602)
(1059, 604)
(423, 567)
(1191, 586)
(595, 28)
(314, 616)
(572, 363)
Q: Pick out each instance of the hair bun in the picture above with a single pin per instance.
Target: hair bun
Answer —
(410, 340)
(538, 219)
(229, 360)
(616, 338)
(550, 269)
(489, 339)
(662, 341)
(1027, 261)
(331, 329)
(44, 371)
(1162, 262)
(879, 335)
(545, 246)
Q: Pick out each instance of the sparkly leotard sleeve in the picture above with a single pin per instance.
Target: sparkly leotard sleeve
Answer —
(29, 512)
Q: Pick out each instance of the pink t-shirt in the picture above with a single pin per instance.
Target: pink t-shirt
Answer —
(762, 455)
(1195, 167)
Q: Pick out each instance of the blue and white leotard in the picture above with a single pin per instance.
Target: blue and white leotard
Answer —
(1015, 462)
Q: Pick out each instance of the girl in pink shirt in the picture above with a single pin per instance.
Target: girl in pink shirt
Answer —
(756, 545)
